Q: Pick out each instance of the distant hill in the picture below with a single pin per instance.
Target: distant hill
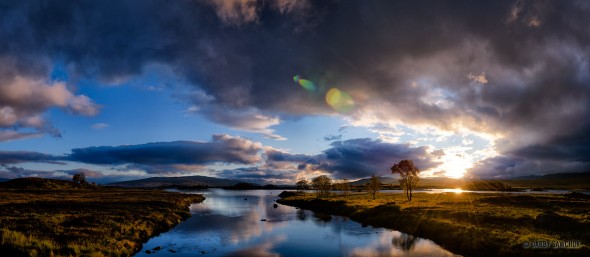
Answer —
(39, 183)
(438, 182)
(186, 182)
(579, 175)
(3, 179)
(552, 181)
(384, 180)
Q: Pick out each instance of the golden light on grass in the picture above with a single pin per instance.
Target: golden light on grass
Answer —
(463, 221)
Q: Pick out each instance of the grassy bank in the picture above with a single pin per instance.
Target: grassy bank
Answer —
(88, 221)
(470, 224)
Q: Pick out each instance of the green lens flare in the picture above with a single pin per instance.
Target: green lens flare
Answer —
(306, 84)
(339, 100)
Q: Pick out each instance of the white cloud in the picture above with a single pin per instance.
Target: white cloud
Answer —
(23, 101)
(99, 126)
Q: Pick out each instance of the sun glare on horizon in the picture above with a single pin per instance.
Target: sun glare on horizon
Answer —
(455, 165)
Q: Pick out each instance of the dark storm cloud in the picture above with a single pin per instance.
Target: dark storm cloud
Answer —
(176, 157)
(572, 148)
(515, 68)
(513, 166)
(569, 153)
(355, 158)
(279, 156)
(362, 157)
(222, 149)
(15, 157)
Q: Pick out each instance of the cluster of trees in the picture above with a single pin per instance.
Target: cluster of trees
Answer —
(343, 186)
(323, 185)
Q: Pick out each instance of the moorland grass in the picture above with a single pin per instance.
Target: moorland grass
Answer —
(91, 221)
(470, 224)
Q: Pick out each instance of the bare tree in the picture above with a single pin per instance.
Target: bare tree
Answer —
(408, 176)
(322, 185)
(373, 186)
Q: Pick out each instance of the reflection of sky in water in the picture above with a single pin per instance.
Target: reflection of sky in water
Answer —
(229, 223)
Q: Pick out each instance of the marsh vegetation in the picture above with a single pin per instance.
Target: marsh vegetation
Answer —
(61, 218)
(469, 223)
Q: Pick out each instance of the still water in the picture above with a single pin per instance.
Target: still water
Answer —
(245, 223)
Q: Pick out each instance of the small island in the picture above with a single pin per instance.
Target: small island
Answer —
(47, 217)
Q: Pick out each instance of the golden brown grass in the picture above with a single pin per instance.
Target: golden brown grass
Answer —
(86, 222)
(467, 223)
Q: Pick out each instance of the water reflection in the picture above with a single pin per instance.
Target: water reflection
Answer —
(301, 215)
(404, 242)
(230, 223)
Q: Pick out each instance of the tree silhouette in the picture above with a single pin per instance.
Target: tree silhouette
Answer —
(373, 186)
(409, 176)
(322, 185)
(302, 185)
(80, 178)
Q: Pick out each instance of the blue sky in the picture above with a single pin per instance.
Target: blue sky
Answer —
(273, 92)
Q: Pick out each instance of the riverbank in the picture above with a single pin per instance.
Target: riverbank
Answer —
(470, 224)
(86, 221)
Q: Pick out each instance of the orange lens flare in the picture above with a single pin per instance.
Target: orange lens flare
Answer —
(339, 100)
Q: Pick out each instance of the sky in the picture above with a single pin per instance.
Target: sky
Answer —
(278, 91)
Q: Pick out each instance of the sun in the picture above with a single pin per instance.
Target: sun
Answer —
(455, 165)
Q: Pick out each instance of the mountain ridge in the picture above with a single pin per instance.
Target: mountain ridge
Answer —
(185, 181)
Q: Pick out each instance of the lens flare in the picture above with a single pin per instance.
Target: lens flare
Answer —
(306, 84)
(339, 100)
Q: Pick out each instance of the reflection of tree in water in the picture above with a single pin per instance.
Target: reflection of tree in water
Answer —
(321, 219)
(301, 215)
(322, 216)
(404, 242)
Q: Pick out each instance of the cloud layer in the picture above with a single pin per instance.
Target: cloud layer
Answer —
(352, 159)
(514, 70)
(222, 149)
(363, 157)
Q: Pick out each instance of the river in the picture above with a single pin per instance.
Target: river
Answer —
(246, 223)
